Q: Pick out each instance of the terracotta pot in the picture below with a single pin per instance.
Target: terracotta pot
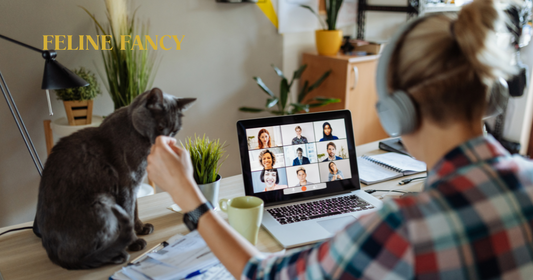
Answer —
(328, 42)
(79, 112)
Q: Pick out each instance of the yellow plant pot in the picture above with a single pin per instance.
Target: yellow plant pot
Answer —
(328, 42)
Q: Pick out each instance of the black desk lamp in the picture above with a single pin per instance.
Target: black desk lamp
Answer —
(56, 76)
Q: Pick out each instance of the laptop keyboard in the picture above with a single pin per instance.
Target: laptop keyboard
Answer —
(318, 209)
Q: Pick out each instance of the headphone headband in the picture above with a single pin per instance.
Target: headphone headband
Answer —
(396, 109)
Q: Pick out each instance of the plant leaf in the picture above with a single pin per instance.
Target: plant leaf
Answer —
(303, 92)
(324, 25)
(321, 101)
(279, 72)
(284, 89)
(263, 86)
(250, 110)
(298, 107)
(271, 102)
(319, 81)
(297, 74)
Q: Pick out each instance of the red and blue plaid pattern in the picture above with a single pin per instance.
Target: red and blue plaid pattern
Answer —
(474, 220)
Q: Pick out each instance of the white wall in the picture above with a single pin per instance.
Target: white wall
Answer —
(224, 46)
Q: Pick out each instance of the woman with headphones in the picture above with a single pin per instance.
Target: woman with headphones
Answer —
(474, 218)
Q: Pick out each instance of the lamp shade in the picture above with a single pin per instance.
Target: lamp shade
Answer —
(57, 76)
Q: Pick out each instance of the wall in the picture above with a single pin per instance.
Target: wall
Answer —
(224, 46)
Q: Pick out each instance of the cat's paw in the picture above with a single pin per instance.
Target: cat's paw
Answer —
(122, 257)
(146, 229)
(137, 245)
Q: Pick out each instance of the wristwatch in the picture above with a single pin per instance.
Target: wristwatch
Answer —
(191, 218)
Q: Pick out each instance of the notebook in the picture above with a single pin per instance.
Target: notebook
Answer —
(304, 167)
(378, 168)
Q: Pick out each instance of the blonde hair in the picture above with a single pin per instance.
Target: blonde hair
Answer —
(448, 65)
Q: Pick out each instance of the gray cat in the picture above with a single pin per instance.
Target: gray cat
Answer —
(87, 209)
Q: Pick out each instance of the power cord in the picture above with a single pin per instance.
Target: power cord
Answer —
(15, 229)
(407, 181)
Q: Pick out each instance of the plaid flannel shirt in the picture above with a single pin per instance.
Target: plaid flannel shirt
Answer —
(473, 221)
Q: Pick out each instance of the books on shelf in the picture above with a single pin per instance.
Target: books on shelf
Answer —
(383, 167)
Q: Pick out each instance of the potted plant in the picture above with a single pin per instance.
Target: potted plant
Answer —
(293, 108)
(206, 156)
(329, 40)
(79, 101)
(129, 70)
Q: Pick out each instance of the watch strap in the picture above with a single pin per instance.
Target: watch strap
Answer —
(191, 218)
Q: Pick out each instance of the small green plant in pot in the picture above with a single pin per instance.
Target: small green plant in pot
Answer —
(79, 101)
(207, 156)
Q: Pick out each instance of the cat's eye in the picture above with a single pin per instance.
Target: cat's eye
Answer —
(160, 128)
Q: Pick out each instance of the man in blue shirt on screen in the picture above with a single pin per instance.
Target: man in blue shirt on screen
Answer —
(332, 149)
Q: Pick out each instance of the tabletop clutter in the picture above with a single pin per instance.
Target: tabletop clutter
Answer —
(180, 257)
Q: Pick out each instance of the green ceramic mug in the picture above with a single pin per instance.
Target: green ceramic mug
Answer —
(245, 214)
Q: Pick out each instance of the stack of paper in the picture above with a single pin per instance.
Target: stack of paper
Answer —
(184, 256)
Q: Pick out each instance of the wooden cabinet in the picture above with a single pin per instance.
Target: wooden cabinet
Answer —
(352, 80)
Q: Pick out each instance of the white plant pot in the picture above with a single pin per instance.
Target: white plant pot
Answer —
(211, 190)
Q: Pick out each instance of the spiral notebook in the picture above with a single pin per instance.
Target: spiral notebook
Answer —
(378, 168)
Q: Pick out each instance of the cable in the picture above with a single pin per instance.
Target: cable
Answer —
(15, 229)
(407, 181)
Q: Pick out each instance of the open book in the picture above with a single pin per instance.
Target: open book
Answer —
(378, 168)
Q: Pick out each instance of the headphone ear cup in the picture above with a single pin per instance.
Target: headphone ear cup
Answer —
(397, 114)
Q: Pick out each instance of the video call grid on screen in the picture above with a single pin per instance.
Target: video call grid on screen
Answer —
(276, 164)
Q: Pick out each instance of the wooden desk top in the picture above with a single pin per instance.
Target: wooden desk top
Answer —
(23, 257)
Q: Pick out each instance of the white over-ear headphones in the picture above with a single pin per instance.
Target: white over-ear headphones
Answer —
(396, 110)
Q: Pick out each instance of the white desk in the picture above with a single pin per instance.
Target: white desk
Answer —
(23, 257)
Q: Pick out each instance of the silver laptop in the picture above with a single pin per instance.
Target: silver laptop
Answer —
(304, 167)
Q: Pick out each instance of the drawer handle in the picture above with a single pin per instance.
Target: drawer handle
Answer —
(356, 76)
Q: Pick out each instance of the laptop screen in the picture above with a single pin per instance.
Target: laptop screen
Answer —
(297, 157)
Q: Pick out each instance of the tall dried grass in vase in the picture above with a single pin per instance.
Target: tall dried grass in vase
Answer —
(129, 70)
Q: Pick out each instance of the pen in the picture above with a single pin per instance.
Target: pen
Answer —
(195, 273)
(154, 249)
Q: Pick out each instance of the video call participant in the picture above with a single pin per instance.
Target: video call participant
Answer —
(473, 218)
(271, 179)
(263, 138)
(334, 172)
(299, 139)
(328, 132)
(300, 159)
(267, 159)
(332, 149)
(302, 177)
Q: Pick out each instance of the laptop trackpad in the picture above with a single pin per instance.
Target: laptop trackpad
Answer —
(336, 224)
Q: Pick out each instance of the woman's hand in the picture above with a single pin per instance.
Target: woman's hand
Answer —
(170, 168)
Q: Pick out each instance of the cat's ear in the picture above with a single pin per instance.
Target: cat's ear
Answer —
(185, 103)
(154, 100)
